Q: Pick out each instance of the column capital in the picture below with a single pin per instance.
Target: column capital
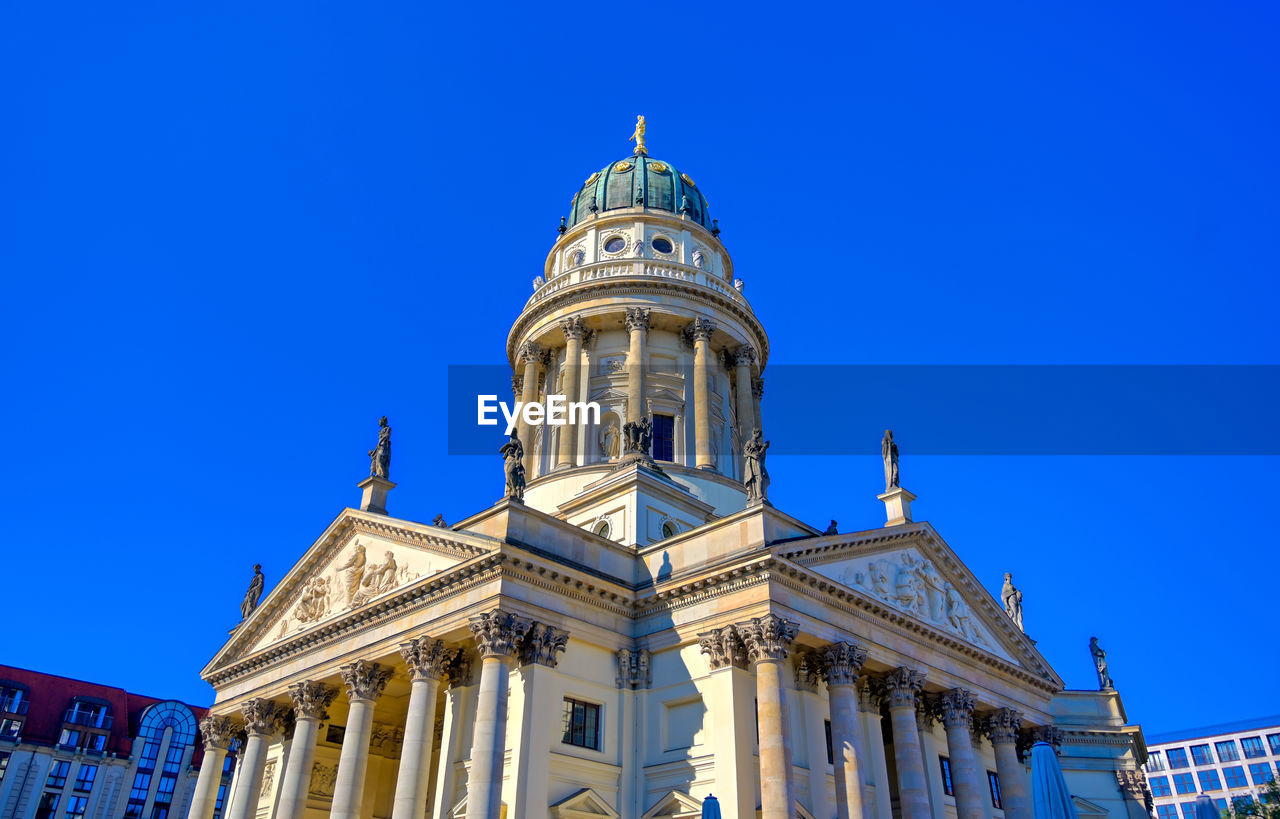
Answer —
(757, 388)
(311, 699)
(529, 352)
(723, 647)
(499, 633)
(842, 663)
(808, 668)
(542, 645)
(957, 707)
(901, 687)
(1002, 726)
(427, 658)
(700, 329)
(1051, 734)
(259, 716)
(869, 695)
(517, 384)
(364, 680)
(768, 638)
(459, 670)
(743, 356)
(218, 732)
(573, 328)
(637, 319)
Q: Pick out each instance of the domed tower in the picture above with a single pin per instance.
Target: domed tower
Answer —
(638, 311)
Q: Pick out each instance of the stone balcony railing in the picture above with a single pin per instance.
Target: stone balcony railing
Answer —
(637, 269)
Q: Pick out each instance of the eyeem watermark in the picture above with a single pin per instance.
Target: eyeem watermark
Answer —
(557, 411)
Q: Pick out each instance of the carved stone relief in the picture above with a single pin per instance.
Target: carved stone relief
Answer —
(323, 779)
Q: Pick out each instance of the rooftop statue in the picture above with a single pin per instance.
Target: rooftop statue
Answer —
(1012, 599)
(754, 476)
(638, 137)
(380, 458)
(512, 453)
(889, 451)
(254, 593)
(1100, 663)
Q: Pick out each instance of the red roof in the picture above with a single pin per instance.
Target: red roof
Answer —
(50, 696)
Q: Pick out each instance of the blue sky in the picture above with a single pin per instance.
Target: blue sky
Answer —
(236, 234)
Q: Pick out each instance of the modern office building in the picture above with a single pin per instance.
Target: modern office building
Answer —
(81, 750)
(1229, 762)
(639, 628)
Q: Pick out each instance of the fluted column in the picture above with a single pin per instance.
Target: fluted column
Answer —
(700, 331)
(638, 331)
(902, 688)
(530, 354)
(573, 329)
(757, 395)
(364, 682)
(841, 664)
(218, 733)
(310, 699)
(1002, 729)
(427, 660)
(768, 640)
(259, 724)
(498, 636)
(957, 714)
(742, 361)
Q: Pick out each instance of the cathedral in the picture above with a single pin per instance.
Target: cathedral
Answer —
(634, 630)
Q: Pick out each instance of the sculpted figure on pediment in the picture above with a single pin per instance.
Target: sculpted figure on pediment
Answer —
(351, 573)
(378, 578)
(934, 589)
(314, 604)
(957, 611)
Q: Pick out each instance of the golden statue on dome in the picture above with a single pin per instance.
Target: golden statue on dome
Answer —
(638, 137)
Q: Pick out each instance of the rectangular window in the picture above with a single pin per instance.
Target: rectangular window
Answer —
(1184, 783)
(1274, 741)
(945, 764)
(1260, 773)
(1235, 777)
(76, 805)
(48, 806)
(85, 777)
(1160, 786)
(1177, 758)
(1220, 804)
(1155, 761)
(4, 763)
(993, 782)
(1201, 755)
(11, 701)
(1188, 810)
(69, 739)
(222, 797)
(10, 728)
(1253, 747)
(1241, 803)
(1167, 811)
(831, 751)
(581, 724)
(664, 438)
(1209, 781)
(1227, 751)
(58, 774)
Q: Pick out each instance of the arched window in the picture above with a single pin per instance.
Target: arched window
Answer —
(602, 528)
(169, 714)
(669, 529)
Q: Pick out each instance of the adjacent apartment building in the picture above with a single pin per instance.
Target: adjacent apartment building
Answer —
(71, 749)
(1229, 762)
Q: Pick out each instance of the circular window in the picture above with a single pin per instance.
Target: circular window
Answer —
(668, 529)
(615, 245)
(662, 244)
(602, 528)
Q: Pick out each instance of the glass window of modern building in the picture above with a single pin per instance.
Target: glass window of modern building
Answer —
(1234, 776)
(1155, 761)
(1253, 747)
(1201, 755)
(1209, 781)
(58, 774)
(1188, 810)
(1167, 812)
(1227, 751)
(1184, 783)
(1160, 786)
(1260, 773)
(1178, 758)
(85, 776)
(76, 806)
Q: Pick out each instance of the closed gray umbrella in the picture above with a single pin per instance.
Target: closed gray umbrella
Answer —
(1205, 809)
(1050, 798)
(710, 808)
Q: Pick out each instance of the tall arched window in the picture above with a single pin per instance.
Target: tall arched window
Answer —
(169, 714)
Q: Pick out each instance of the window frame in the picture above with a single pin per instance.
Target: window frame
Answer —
(1235, 772)
(569, 724)
(1246, 747)
(1204, 751)
(84, 784)
(1160, 786)
(1209, 780)
(1177, 758)
(944, 768)
(1187, 779)
(993, 786)
(1233, 750)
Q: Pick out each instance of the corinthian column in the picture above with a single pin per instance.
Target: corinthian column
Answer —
(364, 682)
(902, 687)
(498, 636)
(742, 361)
(638, 330)
(310, 699)
(573, 331)
(768, 640)
(701, 330)
(259, 724)
(957, 714)
(1002, 728)
(217, 733)
(841, 663)
(428, 660)
(530, 354)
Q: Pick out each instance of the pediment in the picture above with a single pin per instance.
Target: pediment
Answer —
(360, 558)
(1086, 808)
(584, 804)
(675, 805)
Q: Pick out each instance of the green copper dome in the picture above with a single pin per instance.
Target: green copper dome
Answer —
(639, 181)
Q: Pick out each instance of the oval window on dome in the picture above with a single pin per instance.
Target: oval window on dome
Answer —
(615, 244)
(662, 244)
